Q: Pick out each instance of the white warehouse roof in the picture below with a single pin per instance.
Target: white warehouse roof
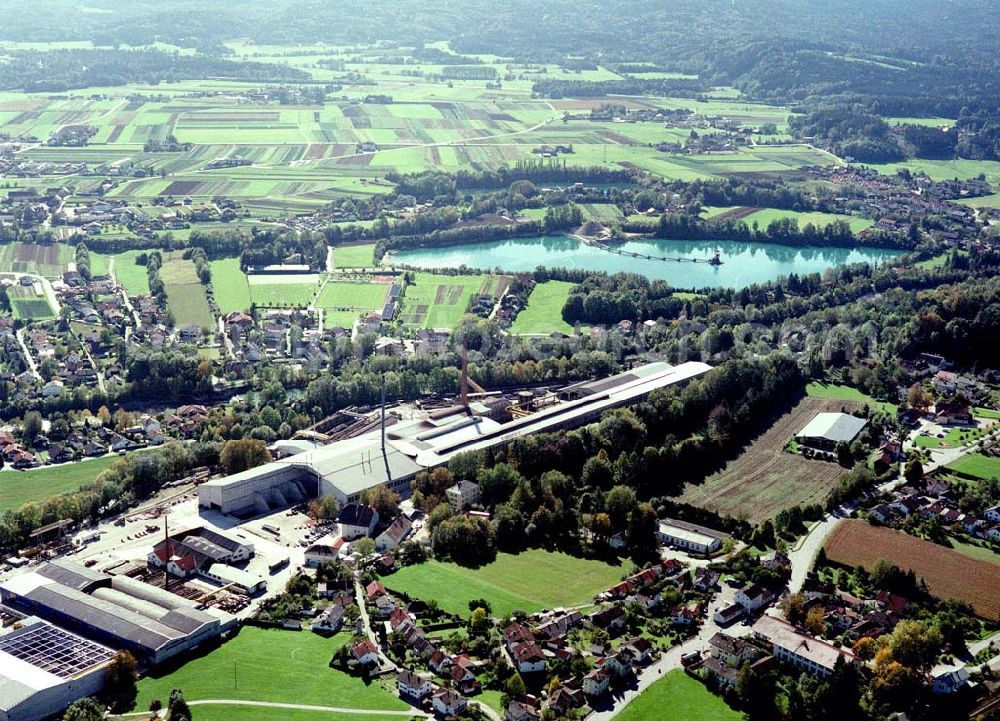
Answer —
(833, 427)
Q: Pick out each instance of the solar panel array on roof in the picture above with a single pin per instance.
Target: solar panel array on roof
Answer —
(54, 650)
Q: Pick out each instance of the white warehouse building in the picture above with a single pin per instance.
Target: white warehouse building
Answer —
(346, 469)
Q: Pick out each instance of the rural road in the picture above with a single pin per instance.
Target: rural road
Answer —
(27, 354)
(803, 555)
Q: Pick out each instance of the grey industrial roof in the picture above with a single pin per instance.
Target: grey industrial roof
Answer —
(834, 427)
(206, 547)
(74, 575)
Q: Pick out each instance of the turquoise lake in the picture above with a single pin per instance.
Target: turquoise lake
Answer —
(743, 263)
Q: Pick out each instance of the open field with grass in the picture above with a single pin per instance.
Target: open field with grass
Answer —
(678, 697)
(19, 487)
(765, 479)
(765, 216)
(952, 439)
(269, 665)
(543, 313)
(961, 168)
(984, 201)
(948, 573)
(186, 299)
(340, 295)
(977, 552)
(354, 256)
(229, 283)
(128, 273)
(528, 581)
(283, 290)
(976, 465)
(232, 712)
(835, 392)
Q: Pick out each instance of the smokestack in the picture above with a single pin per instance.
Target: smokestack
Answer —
(166, 564)
(463, 399)
(385, 456)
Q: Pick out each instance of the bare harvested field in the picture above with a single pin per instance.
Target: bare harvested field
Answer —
(949, 574)
(734, 215)
(764, 479)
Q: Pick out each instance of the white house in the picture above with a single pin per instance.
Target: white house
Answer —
(357, 521)
(753, 597)
(325, 550)
(595, 683)
(413, 686)
(395, 534)
(463, 494)
(448, 703)
(528, 657)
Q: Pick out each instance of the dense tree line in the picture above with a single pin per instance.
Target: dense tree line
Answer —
(61, 70)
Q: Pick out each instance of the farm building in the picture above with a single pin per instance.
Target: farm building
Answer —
(689, 536)
(346, 469)
(44, 668)
(118, 611)
(827, 430)
(799, 648)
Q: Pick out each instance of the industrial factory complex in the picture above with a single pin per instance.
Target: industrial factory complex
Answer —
(348, 468)
(169, 578)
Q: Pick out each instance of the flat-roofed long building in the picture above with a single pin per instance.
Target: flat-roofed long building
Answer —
(117, 611)
(346, 469)
(44, 668)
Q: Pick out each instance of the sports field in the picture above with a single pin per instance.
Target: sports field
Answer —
(229, 283)
(354, 256)
(528, 581)
(19, 487)
(948, 573)
(765, 479)
(269, 665)
(678, 697)
(543, 313)
(281, 291)
(353, 296)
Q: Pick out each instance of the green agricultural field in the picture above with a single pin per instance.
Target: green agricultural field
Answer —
(186, 298)
(19, 487)
(846, 393)
(947, 169)
(354, 256)
(678, 697)
(543, 313)
(229, 283)
(269, 665)
(528, 581)
(27, 305)
(128, 273)
(440, 301)
(976, 465)
(984, 201)
(49, 260)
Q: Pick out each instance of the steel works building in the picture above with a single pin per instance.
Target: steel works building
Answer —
(115, 611)
(346, 469)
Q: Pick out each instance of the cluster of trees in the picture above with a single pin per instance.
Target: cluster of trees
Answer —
(130, 479)
(66, 69)
(82, 260)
